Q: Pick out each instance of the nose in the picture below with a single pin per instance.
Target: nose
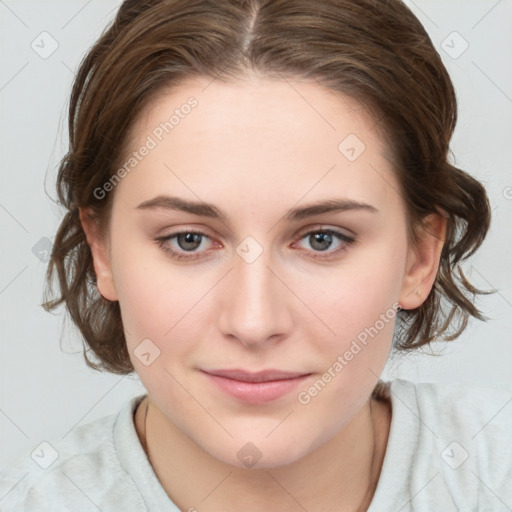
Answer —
(254, 303)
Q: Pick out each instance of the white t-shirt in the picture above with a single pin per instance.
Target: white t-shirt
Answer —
(449, 449)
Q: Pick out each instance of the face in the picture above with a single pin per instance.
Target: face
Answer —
(268, 282)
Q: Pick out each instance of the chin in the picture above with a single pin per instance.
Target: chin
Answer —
(263, 455)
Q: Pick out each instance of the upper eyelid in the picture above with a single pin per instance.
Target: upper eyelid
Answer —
(301, 232)
(324, 227)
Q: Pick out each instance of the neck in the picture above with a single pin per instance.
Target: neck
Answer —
(341, 475)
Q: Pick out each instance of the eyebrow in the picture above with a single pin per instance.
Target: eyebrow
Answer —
(295, 214)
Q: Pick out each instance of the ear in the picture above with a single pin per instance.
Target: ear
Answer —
(100, 254)
(423, 262)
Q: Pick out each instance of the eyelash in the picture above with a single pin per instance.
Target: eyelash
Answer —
(161, 241)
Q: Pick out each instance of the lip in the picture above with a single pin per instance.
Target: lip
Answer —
(256, 388)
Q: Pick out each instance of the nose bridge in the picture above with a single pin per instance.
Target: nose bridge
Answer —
(254, 308)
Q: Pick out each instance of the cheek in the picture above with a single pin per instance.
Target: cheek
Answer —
(359, 290)
(358, 306)
(155, 308)
(154, 296)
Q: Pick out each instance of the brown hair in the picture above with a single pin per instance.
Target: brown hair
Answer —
(372, 50)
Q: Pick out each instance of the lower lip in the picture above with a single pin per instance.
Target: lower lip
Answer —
(257, 392)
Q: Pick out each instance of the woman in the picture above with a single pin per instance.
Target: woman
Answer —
(260, 205)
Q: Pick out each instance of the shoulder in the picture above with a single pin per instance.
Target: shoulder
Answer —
(482, 411)
(80, 471)
(457, 440)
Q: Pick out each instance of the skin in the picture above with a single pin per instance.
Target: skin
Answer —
(256, 148)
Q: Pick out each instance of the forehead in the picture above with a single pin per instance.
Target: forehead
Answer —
(262, 139)
(258, 108)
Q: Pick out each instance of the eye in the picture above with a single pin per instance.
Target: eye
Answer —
(321, 240)
(187, 243)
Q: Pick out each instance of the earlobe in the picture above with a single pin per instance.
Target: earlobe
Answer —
(100, 255)
(423, 262)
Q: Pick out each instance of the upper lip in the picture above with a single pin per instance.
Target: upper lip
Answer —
(261, 376)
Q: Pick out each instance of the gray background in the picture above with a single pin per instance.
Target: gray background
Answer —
(46, 388)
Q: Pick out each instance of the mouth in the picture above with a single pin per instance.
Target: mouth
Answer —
(256, 388)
